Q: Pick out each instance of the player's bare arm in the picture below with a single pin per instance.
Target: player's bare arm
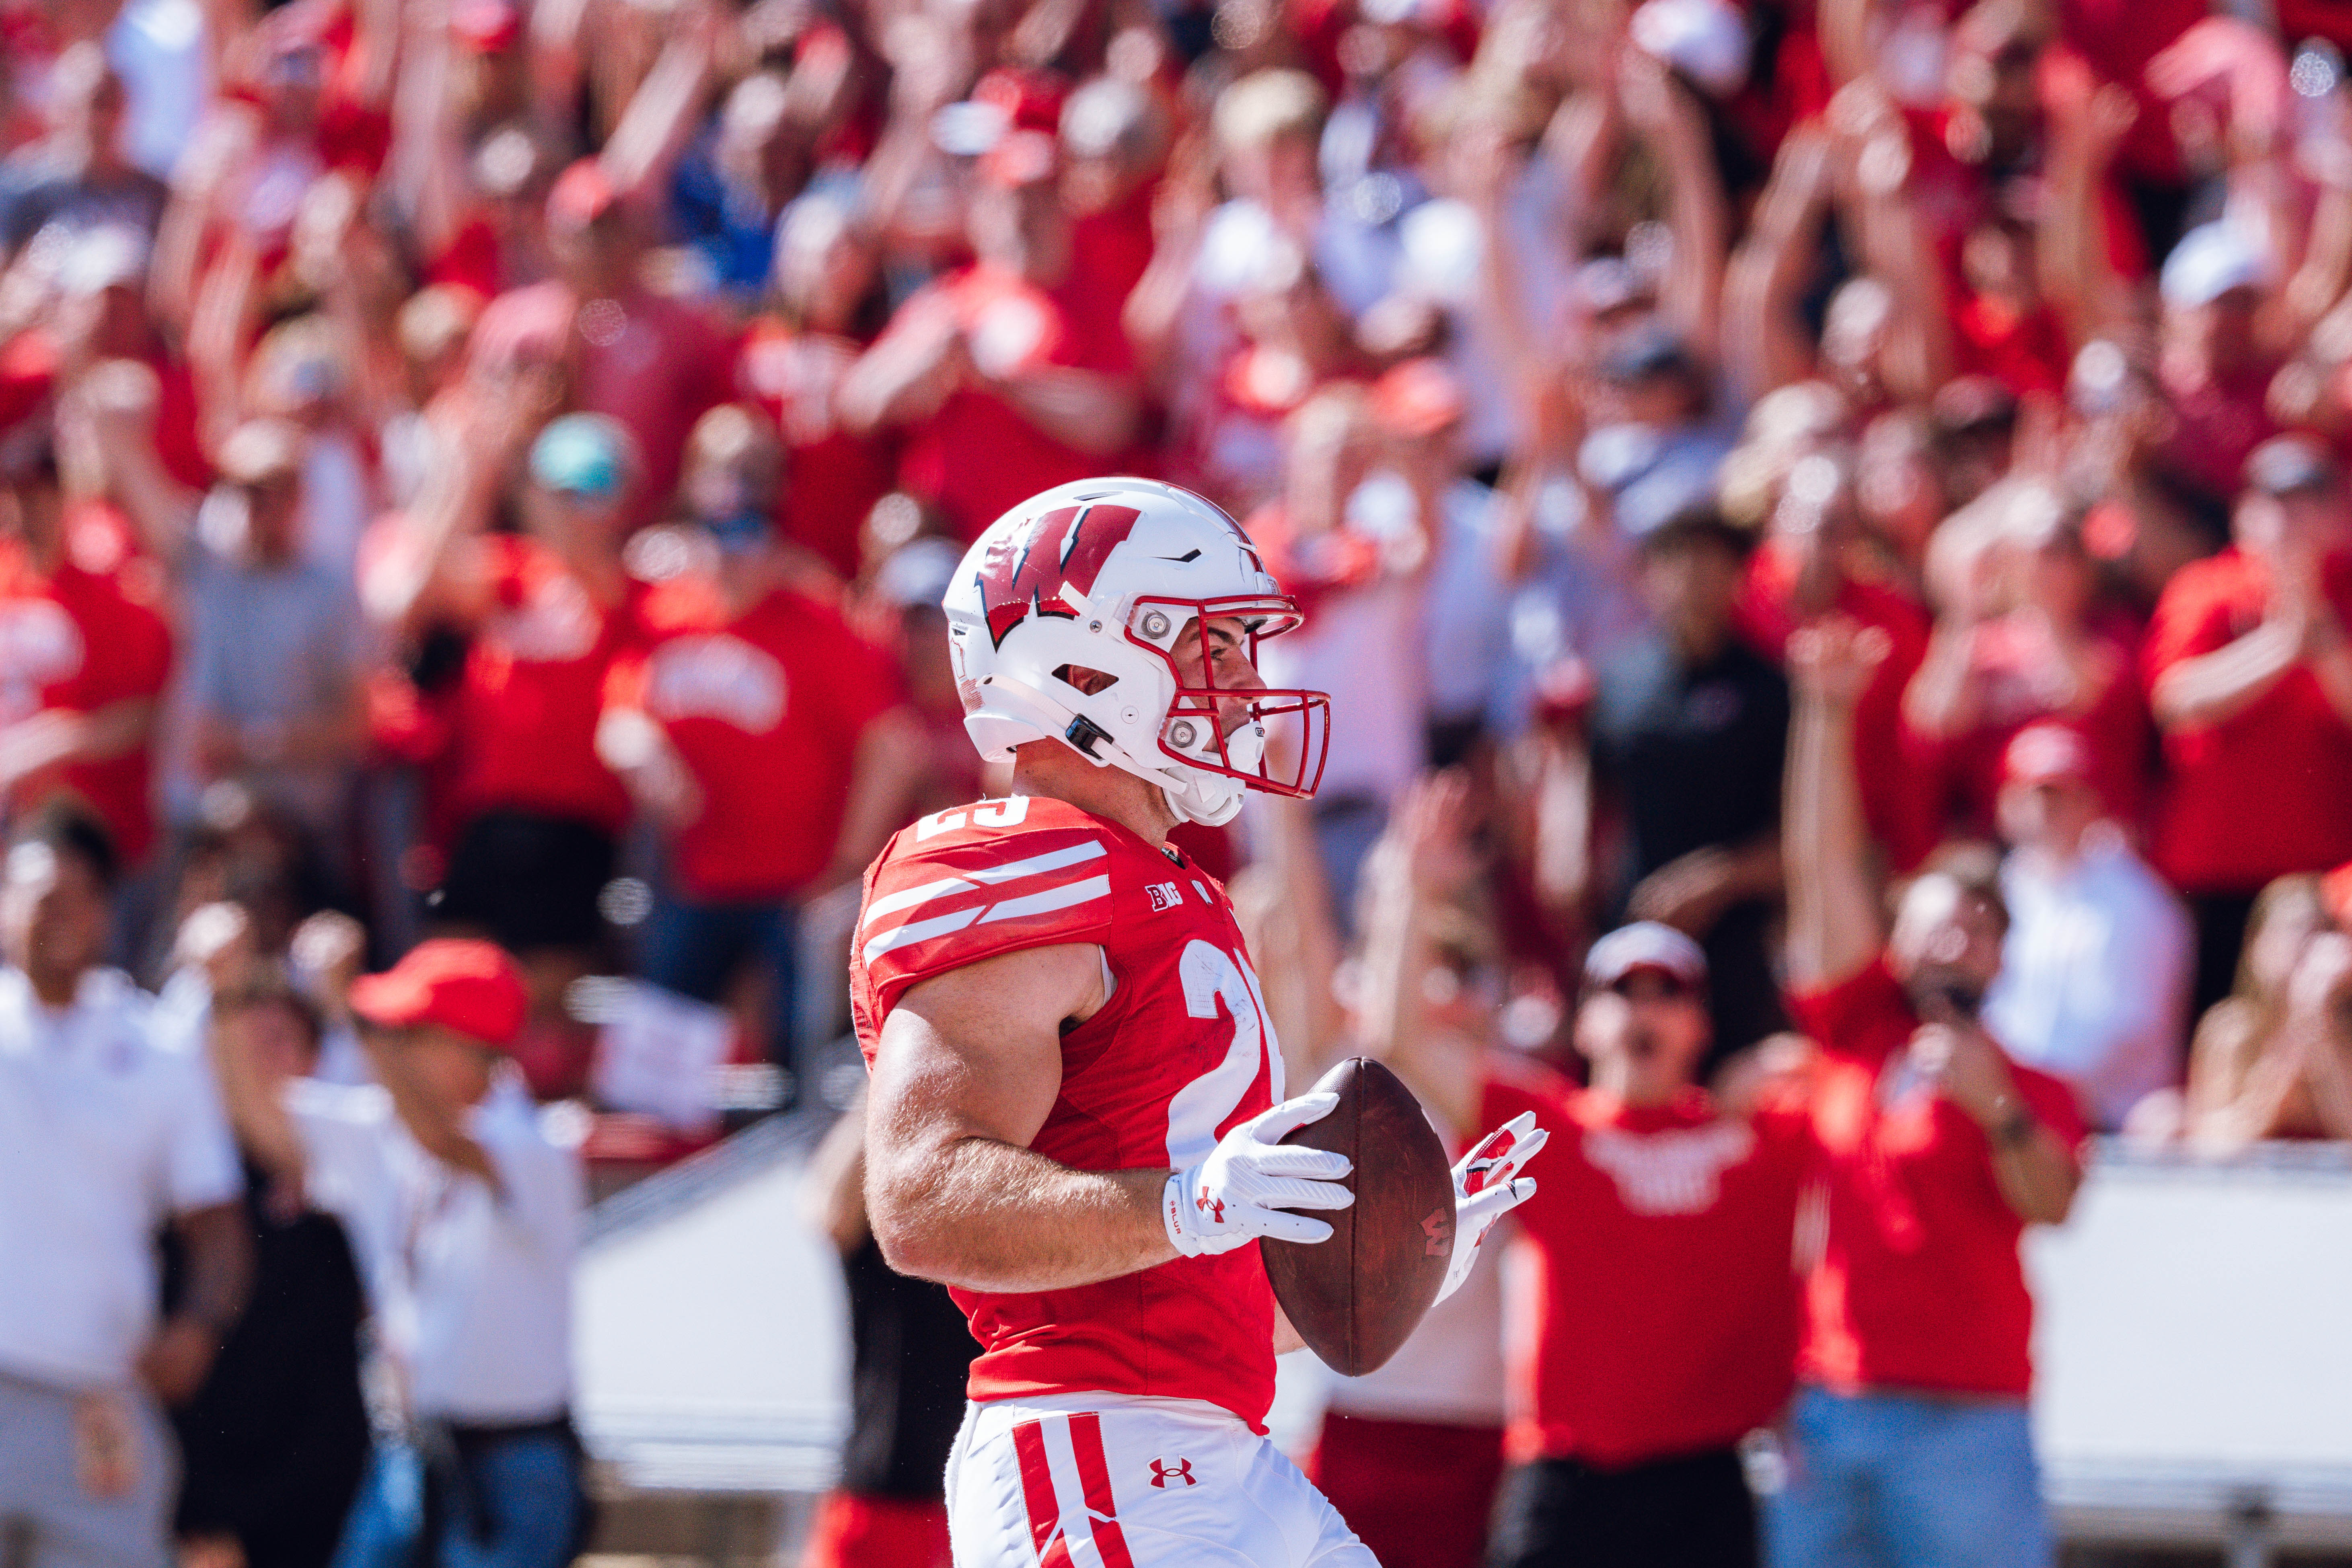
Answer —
(966, 1070)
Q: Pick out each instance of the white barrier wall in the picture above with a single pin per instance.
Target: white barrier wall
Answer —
(2193, 1348)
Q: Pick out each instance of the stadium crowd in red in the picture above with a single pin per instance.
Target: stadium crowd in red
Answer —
(488, 469)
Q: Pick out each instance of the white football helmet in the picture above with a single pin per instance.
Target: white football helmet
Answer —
(1105, 574)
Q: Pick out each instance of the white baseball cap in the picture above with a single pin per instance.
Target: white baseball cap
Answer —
(2211, 259)
(1706, 40)
(1644, 944)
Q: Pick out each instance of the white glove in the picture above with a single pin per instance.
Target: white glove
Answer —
(1486, 1186)
(1237, 1193)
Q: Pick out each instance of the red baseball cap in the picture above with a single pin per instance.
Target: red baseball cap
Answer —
(460, 983)
(2046, 753)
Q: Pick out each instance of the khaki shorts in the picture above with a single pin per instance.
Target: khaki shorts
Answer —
(85, 1479)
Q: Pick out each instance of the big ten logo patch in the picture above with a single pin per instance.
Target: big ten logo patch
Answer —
(717, 677)
(1163, 896)
(1180, 1472)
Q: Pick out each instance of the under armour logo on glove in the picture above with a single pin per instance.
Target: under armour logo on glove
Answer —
(1239, 1192)
(1486, 1186)
(1162, 1471)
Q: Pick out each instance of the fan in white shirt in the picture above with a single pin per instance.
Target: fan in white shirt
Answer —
(464, 1215)
(2095, 974)
(103, 1137)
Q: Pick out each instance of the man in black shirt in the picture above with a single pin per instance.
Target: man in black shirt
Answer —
(1689, 728)
(910, 1354)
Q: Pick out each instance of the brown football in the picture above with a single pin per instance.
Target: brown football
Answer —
(1356, 1297)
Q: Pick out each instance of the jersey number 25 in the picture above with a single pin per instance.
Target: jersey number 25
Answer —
(1212, 975)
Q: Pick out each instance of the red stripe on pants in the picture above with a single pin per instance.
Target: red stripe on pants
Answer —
(1038, 1492)
(1094, 1474)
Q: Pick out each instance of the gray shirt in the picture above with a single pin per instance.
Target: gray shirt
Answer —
(271, 648)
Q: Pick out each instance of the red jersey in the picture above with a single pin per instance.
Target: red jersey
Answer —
(2269, 790)
(832, 479)
(1920, 1285)
(85, 636)
(1664, 1305)
(533, 688)
(766, 710)
(979, 457)
(1180, 1054)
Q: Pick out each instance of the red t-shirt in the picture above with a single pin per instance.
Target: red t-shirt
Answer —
(832, 479)
(1663, 1299)
(525, 720)
(2269, 791)
(651, 363)
(2025, 352)
(979, 457)
(1920, 1285)
(2016, 667)
(1179, 1055)
(88, 635)
(2217, 423)
(1898, 803)
(766, 710)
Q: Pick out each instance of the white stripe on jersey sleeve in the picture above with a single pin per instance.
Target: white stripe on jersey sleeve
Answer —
(1060, 898)
(893, 903)
(1012, 870)
(1051, 861)
(921, 930)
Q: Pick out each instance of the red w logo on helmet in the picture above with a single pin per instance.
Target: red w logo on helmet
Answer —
(1025, 571)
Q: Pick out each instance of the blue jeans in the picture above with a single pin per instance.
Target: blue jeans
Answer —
(695, 949)
(1896, 1481)
(524, 1486)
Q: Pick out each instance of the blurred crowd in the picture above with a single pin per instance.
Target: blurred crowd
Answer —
(485, 472)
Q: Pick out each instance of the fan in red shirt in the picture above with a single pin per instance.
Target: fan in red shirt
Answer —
(2019, 640)
(533, 816)
(1803, 570)
(766, 739)
(1936, 1151)
(84, 653)
(1655, 1323)
(640, 357)
(1012, 376)
(791, 363)
(2250, 680)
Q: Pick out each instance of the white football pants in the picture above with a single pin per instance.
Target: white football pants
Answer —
(1106, 1481)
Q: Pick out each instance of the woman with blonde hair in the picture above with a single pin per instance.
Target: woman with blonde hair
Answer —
(2273, 1059)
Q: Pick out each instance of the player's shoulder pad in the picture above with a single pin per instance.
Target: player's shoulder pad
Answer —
(966, 884)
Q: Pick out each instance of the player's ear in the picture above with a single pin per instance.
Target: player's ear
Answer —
(1093, 682)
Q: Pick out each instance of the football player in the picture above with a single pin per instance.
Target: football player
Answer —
(1077, 1100)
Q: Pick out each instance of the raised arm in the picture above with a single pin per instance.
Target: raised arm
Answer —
(1766, 341)
(967, 1069)
(1834, 928)
(1423, 861)
(2078, 276)
(1664, 115)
